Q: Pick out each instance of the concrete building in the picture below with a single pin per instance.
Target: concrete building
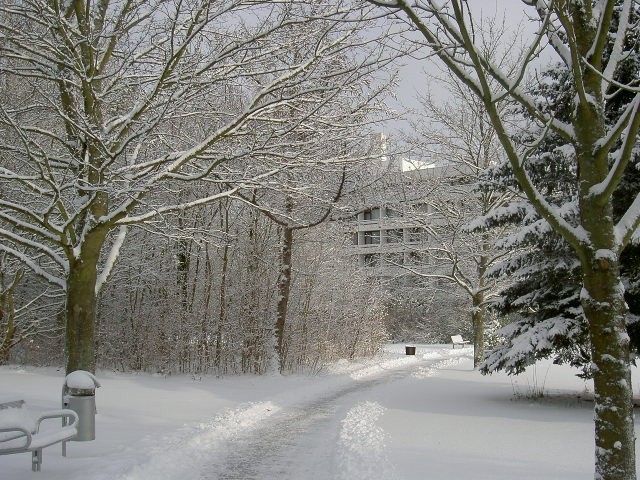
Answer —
(408, 211)
(392, 234)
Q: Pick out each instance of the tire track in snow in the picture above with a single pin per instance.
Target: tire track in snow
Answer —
(300, 443)
(310, 442)
(265, 441)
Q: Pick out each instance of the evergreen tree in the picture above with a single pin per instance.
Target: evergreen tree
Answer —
(544, 297)
(581, 32)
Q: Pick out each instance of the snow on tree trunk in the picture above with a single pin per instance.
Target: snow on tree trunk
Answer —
(603, 294)
(605, 308)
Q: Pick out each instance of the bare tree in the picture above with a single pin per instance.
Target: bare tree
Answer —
(290, 222)
(335, 310)
(579, 32)
(87, 145)
(30, 311)
(459, 135)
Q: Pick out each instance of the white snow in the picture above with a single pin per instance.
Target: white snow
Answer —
(361, 446)
(605, 254)
(17, 418)
(398, 418)
(81, 380)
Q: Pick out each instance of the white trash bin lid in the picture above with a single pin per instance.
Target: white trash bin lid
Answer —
(81, 382)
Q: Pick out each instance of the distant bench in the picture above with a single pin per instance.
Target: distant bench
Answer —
(457, 340)
(20, 430)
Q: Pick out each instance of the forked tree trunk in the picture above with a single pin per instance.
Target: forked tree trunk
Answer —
(603, 293)
(604, 307)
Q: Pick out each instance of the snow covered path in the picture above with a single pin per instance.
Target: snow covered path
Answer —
(286, 427)
(393, 417)
(326, 433)
(325, 438)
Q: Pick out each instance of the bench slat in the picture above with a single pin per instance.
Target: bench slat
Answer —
(12, 404)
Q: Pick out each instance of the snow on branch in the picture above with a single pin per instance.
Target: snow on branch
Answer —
(629, 224)
(114, 253)
(34, 266)
(626, 129)
(37, 227)
(476, 71)
(39, 246)
(617, 50)
(122, 219)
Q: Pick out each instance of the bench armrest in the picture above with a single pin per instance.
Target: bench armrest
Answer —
(70, 416)
(10, 433)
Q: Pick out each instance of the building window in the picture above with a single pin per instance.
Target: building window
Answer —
(372, 214)
(395, 236)
(416, 235)
(414, 258)
(372, 237)
(424, 208)
(393, 213)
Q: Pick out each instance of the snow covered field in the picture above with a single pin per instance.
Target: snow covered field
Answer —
(392, 417)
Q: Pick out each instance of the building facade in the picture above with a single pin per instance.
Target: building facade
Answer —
(403, 219)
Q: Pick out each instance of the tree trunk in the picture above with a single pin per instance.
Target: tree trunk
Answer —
(183, 257)
(205, 343)
(81, 304)
(604, 307)
(81, 316)
(478, 317)
(603, 293)
(479, 307)
(9, 334)
(222, 312)
(284, 289)
(8, 312)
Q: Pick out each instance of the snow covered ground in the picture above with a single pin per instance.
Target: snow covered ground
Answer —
(394, 417)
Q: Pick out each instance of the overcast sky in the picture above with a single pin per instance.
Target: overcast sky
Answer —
(413, 79)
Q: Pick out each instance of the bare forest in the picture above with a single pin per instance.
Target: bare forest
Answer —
(170, 174)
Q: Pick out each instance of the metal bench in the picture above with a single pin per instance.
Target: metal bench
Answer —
(457, 340)
(20, 430)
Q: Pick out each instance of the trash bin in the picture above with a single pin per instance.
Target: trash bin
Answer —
(79, 395)
(409, 350)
